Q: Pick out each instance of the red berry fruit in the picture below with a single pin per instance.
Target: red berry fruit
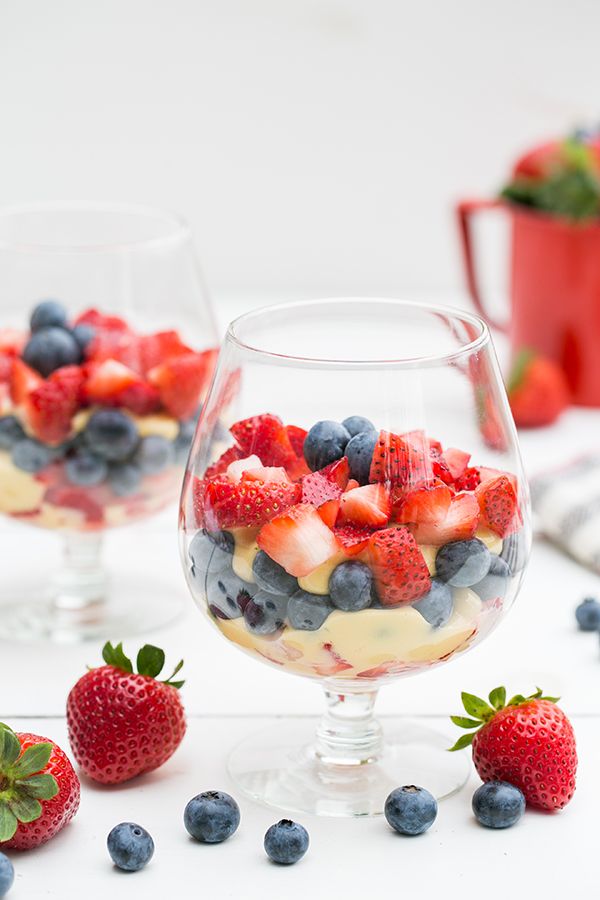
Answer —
(399, 568)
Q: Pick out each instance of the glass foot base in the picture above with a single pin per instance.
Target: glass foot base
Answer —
(130, 606)
(279, 767)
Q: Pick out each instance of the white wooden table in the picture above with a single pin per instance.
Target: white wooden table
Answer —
(228, 696)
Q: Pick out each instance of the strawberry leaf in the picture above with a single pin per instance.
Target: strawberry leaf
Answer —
(465, 740)
(463, 722)
(42, 787)
(498, 697)
(8, 823)
(476, 707)
(114, 656)
(150, 661)
(25, 808)
(33, 760)
(9, 747)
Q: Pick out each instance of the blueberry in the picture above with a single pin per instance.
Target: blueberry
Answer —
(212, 817)
(359, 451)
(86, 470)
(272, 577)
(495, 583)
(207, 557)
(324, 443)
(49, 349)
(357, 425)
(588, 614)
(124, 479)
(112, 435)
(223, 539)
(10, 432)
(308, 611)
(514, 552)
(48, 314)
(130, 846)
(463, 563)
(84, 335)
(498, 804)
(437, 604)
(30, 455)
(227, 594)
(351, 586)
(265, 613)
(7, 874)
(286, 842)
(410, 809)
(154, 454)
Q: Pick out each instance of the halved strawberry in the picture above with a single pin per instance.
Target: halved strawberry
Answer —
(267, 473)
(266, 436)
(403, 459)
(460, 523)
(228, 504)
(23, 380)
(499, 506)
(221, 464)
(457, 461)
(158, 348)
(427, 503)
(297, 437)
(399, 568)
(101, 321)
(329, 512)
(353, 539)
(469, 479)
(181, 382)
(298, 540)
(367, 505)
(326, 484)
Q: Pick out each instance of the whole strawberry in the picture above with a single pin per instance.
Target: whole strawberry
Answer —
(527, 741)
(122, 723)
(537, 390)
(39, 790)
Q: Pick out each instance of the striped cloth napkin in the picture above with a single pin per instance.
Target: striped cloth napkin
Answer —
(566, 506)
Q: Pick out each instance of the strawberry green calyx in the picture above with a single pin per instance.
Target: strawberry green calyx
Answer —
(519, 367)
(150, 662)
(23, 784)
(480, 712)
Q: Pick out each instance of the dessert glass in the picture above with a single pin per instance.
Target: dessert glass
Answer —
(129, 275)
(263, 540)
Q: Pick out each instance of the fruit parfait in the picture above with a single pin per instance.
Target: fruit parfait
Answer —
(350, 551)
(96, 418)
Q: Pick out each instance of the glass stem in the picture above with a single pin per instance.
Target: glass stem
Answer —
(348, 734)
(82, 581)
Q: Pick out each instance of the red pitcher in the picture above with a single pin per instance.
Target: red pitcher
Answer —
(554, 290)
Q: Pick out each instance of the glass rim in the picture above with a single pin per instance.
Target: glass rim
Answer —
(179, 227)
(410, 362)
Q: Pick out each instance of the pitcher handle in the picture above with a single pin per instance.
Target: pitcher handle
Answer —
(465, 210)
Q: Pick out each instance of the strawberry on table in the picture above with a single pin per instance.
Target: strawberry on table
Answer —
(228, 504)
(537, 390)
(298, 540)
(459, 524)
(526, 741)
(499, 507)
(368, 505)
(122, 723)
(39, 789)
(399, 568)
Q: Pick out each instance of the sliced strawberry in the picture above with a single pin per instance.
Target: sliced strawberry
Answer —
(101, 321)
(181, 382)
(297, 437)
(499, 506)
(486, 474)
(121, 346)
(158, 348)
(23, 380)
(399, 568)
(112, 383)
(368, 505)
(76, 498)
(326, 484)
(329, 512)
(457, 461)
(6, 367)
(246, 503)
(439, 466)
(297, 468)
(49, 410)
(352, 483)
(401, 459)
(469, 479)
(427, 503)
(332, 663)
(12, 341)
(267, 437)
(72, 380)
(460, 523)
(298, 540)
(236, 468)
(141, 398)
(392, 667)
(220, 466)
(267, 473)
(353, 539)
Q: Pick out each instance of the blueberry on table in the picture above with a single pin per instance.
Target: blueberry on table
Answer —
(351, 586)
(265, 613)
(154, 454)
(498, 804)
(357, 424)
(84, 335)
(495, 583)
(410, 809)
(463, 563)
(30, 455)
(307, 611)
(588, 614)
(324, 444)
(7, 874)
(124, 479)
(112, 435)
(86, 470)
(286, 842)
(272, 577)
(359, 452)
(11, 431)
(211, 817)
(51, 348)
(48, 314)
(227, 594)
(437, 604)
(130, 846)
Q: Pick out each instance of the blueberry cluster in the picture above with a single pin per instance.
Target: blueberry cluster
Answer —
(328, 441)
(53, 343)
